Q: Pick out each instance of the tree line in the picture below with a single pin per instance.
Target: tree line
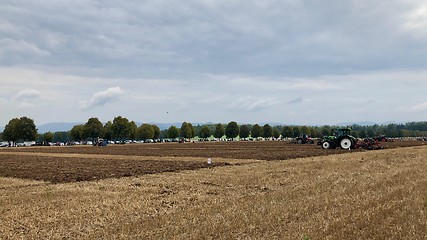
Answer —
(120, 128)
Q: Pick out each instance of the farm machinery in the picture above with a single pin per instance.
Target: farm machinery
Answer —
(340, 138)
(369, 144)
(303, 138)
(100, 142)
(343, 139)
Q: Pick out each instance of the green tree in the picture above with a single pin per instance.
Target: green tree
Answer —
(219, 131)
(192, 129)
(61, 136)
(256, 131)
(287, 132)
(316, 133)
(326, 130)
(187, 130)
(205, 132)
(107, 131)
(305, 129)
(371, 132)
(276, 132)
(232, 130)
(297, 131)
(20, 129)
(120, 128)
(77, 132)
(48, 137)
(132, 130)
(11, 130)
(391, 130)
(145, 131)
(245, 131)
(362, 133)
(93, 128)
(156, 131)
(173, 132)
(163, 133)
(403, 133)
(267, 131)
(28, 130)
(355, 133)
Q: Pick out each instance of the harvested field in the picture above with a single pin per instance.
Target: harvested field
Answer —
(352, 195)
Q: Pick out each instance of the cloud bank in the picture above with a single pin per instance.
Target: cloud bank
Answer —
(289, 61)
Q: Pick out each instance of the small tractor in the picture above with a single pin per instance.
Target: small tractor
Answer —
(340, 138)
(304, 139)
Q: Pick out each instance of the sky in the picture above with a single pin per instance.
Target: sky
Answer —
(289, 61)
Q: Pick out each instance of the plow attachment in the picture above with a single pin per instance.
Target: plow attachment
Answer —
(368, 144)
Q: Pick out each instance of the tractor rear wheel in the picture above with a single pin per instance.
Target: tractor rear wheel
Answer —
(326, 145)
(345, 143)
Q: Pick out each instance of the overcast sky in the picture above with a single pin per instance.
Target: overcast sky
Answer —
(284, 61)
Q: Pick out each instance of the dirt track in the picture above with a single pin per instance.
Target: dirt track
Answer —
(87, 163)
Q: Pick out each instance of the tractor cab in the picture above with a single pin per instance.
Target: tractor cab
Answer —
(342, 131)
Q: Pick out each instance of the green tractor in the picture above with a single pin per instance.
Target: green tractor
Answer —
(340, 138)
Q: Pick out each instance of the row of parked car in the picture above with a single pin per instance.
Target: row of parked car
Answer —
(102, 142)
(19, 144)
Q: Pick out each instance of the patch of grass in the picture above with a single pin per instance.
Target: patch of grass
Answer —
(306, 237)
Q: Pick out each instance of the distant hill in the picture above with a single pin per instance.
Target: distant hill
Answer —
(365, 123)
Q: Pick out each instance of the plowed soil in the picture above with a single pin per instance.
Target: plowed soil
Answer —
(60, 170)
(262, 150)
(61, 164)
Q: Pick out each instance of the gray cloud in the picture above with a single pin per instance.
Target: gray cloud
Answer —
(231, 37)
(26, 98)
(26, 94)
(101, 98)
(296, 100)
(422, 107)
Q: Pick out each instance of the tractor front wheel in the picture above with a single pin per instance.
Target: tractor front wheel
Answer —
(345, 143)
(326, 145)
